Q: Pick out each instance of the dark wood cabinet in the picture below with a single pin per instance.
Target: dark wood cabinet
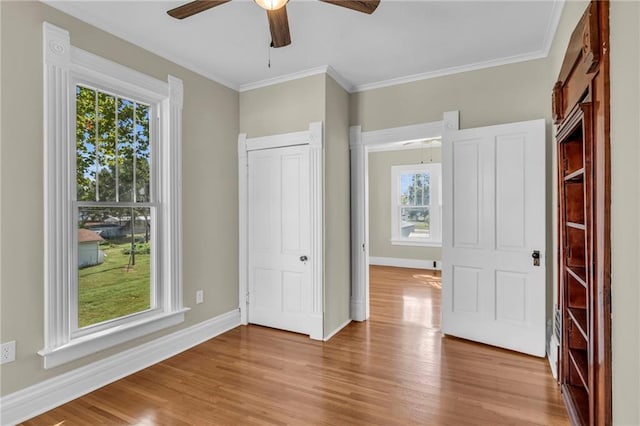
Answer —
(581, 112)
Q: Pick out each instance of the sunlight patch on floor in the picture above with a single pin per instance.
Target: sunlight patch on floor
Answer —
(417, 310)
(430, 280)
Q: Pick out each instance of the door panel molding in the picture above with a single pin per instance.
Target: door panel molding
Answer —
(314, 138)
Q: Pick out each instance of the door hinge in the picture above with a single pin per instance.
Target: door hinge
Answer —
(247, 297)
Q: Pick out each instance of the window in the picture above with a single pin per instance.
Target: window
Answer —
(115, 207)
(416, 205)
(112, 204)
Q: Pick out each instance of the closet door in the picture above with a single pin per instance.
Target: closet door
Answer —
(280, 294)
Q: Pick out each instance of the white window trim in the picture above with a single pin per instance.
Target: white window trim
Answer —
(435, 171)
(63, 65)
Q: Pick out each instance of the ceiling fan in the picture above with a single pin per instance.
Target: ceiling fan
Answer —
(276, 12)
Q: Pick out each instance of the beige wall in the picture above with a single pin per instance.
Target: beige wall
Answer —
(210, 122)
(625, 210)
(283, 108)
(337, 279)
(515, 92)
(380, 203)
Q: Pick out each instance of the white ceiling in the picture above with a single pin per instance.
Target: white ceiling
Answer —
(400, 41)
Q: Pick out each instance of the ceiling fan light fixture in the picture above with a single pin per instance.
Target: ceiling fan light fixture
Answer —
(271, 4)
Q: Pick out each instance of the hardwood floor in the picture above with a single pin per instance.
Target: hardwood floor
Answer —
(395, 369)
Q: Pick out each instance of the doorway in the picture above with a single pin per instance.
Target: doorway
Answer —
(361, 145)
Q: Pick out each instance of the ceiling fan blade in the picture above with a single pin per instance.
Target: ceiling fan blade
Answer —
(194, 7)
(364, 6)
(279, 26)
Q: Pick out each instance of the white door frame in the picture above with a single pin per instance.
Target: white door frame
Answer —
(314, 138)
(360, 144)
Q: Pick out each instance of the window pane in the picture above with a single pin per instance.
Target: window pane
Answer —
(106, 147)
(414, 222)
(126, 149)
(86, 143)
(114, 263)
(414, 189)
(143, 157)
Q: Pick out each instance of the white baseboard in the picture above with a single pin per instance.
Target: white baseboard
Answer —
(406, 263)
(357, 310)
(337, 330)
(44, 396)
(554, 349)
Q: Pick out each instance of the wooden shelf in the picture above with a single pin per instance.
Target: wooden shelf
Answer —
(575, 176)
(574, 202)
(579, 317)
(575, 250)
(574, 225)
(580, 274)
(580, 361)
(577, 401)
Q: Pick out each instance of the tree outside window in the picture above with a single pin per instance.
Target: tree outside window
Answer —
(113, 165)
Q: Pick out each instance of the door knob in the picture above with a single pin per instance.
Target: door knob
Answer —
(303, 258)
(536, 257)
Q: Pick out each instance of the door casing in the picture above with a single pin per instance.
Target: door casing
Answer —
(360, 144)
(315, 139)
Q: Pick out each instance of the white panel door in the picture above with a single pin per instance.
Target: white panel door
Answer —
(279, 238)
(493, 221)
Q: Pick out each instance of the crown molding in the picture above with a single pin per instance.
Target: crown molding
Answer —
(283, 78)
(449, 71)
(324, 69)
(552, 28)
(342, 82)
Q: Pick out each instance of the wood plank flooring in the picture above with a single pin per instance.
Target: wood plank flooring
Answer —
(395, 369)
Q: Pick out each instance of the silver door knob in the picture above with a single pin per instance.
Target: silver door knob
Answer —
(303, 258)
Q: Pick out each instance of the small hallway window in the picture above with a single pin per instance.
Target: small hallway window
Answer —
(416, 204)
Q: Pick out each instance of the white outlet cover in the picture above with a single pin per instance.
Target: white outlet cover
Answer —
(8, 352)
(199, 296)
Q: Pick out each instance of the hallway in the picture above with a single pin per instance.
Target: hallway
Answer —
(395, 369)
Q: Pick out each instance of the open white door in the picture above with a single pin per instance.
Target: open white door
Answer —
(493, 224)
(280, 293)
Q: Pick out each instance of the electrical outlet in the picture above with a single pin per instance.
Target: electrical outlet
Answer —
(8, 352)
(199, 296)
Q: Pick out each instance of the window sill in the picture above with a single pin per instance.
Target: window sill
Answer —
(416, 243)
(95, 342)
